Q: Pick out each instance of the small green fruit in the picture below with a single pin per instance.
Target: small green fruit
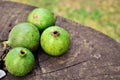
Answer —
(42, 18)
(55, 41)
(19, 61)
(24, 35)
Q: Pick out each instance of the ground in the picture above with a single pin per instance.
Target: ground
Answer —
(102, 15)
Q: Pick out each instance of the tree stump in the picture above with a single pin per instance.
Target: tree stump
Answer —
(91, 56)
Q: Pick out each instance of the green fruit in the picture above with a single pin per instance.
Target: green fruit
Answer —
(24, 35)
(19, 61)
(42, 18)
(55, 41)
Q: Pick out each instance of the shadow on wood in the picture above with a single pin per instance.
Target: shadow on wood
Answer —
(91, 56)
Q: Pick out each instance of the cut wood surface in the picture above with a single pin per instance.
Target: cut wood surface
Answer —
(91, 56)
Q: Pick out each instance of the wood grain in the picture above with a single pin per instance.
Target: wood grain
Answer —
(91, 56)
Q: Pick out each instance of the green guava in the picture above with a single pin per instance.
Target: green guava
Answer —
(19, 61)
(55, 41)
(42, 18)
(23, 35)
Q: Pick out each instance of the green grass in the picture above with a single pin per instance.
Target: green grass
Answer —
(102, 15)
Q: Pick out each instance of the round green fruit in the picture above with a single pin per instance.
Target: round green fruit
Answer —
(24, 35)
(42, 18)
(19, 61)
(55, 41)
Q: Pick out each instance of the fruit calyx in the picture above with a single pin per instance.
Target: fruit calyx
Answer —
(22, 53)
(55, 33)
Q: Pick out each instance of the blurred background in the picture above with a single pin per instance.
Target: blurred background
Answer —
(102, 15)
